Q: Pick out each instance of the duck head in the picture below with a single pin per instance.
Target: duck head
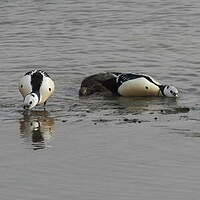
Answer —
(170, 91)
(31, 100)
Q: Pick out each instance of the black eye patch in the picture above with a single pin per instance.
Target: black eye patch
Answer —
(32, 95)
(173, 93)
(30, 102)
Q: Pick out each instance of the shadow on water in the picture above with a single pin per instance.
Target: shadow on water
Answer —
(37, 128)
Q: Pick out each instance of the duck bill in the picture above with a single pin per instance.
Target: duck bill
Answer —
(26, 107)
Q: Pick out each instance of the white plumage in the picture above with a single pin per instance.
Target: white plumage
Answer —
(36, 87)
(138, 87)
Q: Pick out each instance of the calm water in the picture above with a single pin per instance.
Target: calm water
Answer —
(100, 148)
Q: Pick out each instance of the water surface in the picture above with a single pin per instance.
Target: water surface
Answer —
(100, 147)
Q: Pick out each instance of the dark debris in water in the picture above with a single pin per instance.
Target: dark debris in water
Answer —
(132, 120)
(101, 120)
(121, 121)
(175, 110)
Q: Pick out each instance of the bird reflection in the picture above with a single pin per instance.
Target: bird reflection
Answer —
(37, 128)
(146, 104)
(136, 105)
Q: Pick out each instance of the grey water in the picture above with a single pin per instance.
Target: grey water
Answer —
(100, 147)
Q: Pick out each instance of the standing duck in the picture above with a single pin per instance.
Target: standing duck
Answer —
(125, 84)
(36, 87)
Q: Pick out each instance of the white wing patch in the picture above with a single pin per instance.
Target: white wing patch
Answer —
(138, 87)
(46, 89)
(25, 85)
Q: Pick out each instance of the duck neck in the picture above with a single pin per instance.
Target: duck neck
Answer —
(38, 95)
(162, 87)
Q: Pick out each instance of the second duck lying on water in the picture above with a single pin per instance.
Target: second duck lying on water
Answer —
(125, 84)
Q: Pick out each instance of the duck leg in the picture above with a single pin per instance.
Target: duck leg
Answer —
(45, 105)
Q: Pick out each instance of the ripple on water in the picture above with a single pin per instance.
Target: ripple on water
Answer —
(104, 146)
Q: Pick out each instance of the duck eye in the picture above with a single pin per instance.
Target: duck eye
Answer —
(30, 102)
(173, 93)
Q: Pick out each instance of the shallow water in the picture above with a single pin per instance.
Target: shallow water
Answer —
(100, 147)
